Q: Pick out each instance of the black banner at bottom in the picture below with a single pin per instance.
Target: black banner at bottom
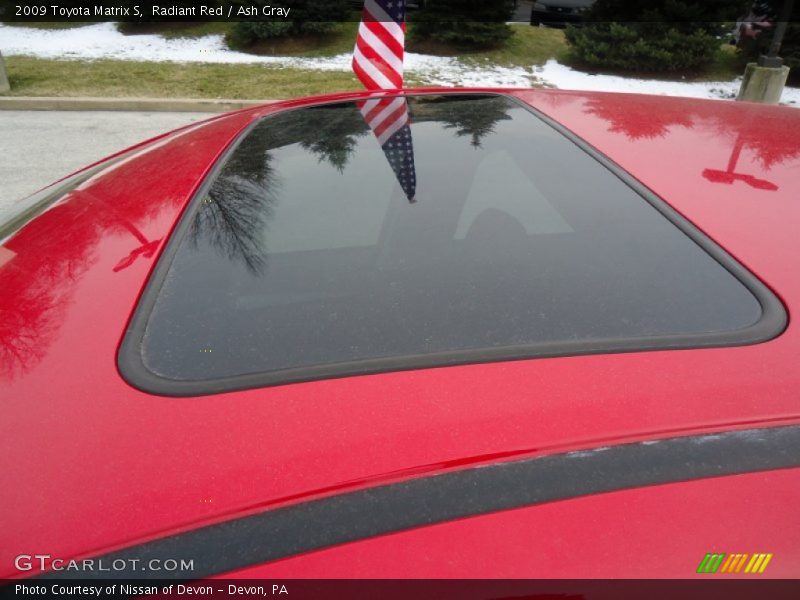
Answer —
(461, 589)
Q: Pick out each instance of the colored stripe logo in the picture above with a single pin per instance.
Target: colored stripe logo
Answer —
(734, 563)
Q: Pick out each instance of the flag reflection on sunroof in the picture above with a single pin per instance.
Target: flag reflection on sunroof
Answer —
(423, 230)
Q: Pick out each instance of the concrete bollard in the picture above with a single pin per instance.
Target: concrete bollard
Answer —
(4, 87)
(763, 84)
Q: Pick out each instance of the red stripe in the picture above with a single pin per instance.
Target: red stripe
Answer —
(365, 79)
(381, 65)
(380, 32)
(378, 108)
(398, 114)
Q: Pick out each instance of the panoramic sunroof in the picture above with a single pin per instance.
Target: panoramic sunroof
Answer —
(422, 231)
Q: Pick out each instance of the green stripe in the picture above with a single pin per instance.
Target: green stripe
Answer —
(710, 563)
(702, 567)
(716, 564)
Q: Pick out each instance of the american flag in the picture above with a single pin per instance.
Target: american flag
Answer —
(378, 55)
(378, 63)
(388, 118)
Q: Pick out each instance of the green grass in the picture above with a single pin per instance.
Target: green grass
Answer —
(527, 46)
(40, 77)
(111, 78)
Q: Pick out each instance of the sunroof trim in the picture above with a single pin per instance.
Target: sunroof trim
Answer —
(133, 369)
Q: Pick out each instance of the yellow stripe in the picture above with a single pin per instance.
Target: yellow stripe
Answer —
(751, 564)
(741, 562)
(758, 563)
(765, 563)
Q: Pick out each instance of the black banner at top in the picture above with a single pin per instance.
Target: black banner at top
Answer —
(553, 12)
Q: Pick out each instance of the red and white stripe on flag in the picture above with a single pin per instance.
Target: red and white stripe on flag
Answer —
(385, 116)
(378, 55)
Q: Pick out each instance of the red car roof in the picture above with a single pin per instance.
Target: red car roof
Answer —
(92, 464)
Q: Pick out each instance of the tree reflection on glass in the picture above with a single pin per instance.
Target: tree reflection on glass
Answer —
(332, 138)
(231, 219)
(235, 212)
(468, 115)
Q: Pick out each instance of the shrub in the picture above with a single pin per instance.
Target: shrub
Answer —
(641, 46)
(307, 17)
(464, 23)
(247, 32)
(661, 35)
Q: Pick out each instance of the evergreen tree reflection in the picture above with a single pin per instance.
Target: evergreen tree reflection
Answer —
(235, 213)
(236, 210)
(475, 117)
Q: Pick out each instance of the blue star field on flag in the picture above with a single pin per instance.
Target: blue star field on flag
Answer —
(399, 150)
(389, 120)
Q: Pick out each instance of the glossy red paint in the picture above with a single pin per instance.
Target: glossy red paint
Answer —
(91, 464)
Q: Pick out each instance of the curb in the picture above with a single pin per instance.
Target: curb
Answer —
(209, 105)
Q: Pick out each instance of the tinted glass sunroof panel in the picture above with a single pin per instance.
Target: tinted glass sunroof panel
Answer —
(330, 242)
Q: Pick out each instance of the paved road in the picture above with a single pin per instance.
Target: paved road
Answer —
(38, 147)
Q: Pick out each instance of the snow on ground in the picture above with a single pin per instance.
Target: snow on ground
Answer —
(563, 77)
(103, 41)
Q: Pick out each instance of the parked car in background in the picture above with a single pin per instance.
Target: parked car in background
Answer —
(559, 13)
